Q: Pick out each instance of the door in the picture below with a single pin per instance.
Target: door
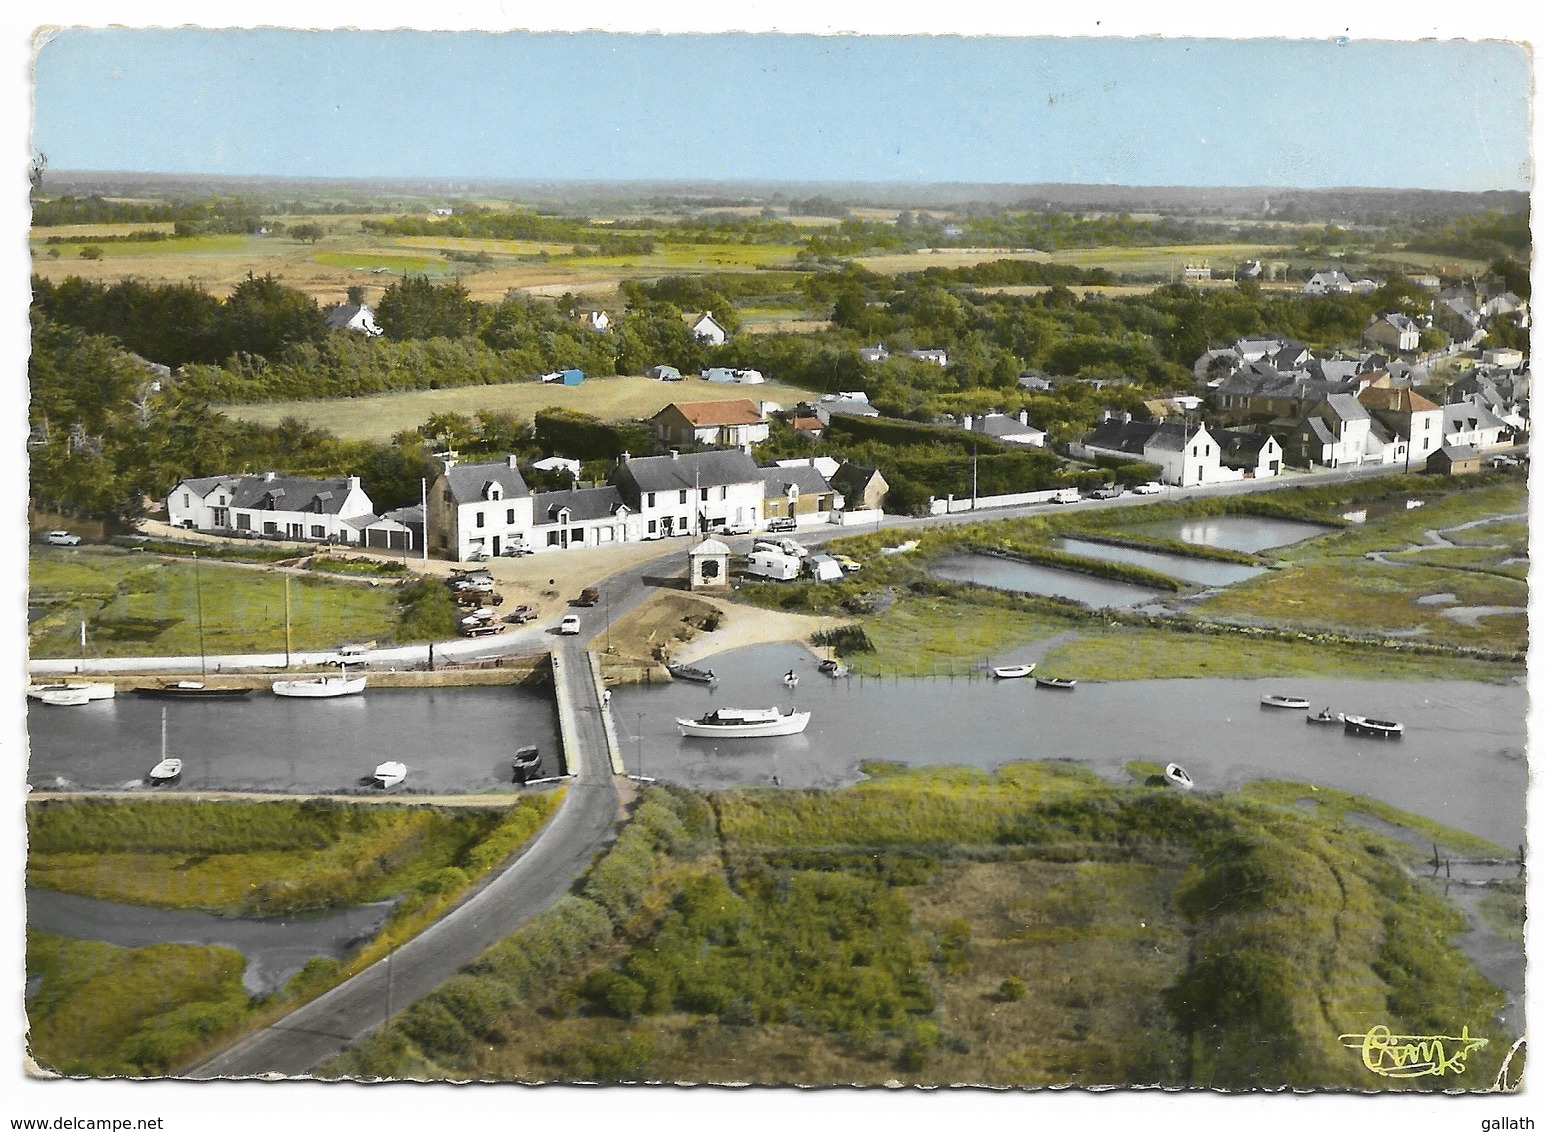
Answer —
(497, 547)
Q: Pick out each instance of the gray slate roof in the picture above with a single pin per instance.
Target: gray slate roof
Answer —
(469, 481)
(691, 470)
(583, 503)
(288, 493)
(1134, 436)
(807, 480)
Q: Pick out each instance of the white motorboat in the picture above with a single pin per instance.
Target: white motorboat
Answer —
(1295, 702)
(1176, 776)
(832, 668)
(321, 687)
(1326, 716)
(1013, 671)
(93, 691)
(790, 679)
(390, 774)
(64, 697)
(1378, 728)
(744, 723)
(166, 770)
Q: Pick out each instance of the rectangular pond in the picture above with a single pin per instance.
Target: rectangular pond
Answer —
(1028, 578)
(1197, 571)
(1248, 533)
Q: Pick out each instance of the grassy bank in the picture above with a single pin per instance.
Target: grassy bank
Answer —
(1037, 926)
(925, 635)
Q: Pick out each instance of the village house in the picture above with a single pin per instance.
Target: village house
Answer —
(800, 493)
(843, 405)
(875, 353)
(1409, 416)
(1186, 455)
(935, 357)
(693, 493)
(706, 329)
(598, 321)
(727, 424)
(354, 315)
(272, 505)
(1394, 330)
(1328, 283)
(1015, 429)
(1256, 455)
(580, 517)
(1455, 460)
(863, 488)
(479, 510)
(1469, 424)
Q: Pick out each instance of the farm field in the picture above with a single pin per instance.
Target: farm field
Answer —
(610, 398)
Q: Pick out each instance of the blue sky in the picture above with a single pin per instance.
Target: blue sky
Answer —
(853, 108)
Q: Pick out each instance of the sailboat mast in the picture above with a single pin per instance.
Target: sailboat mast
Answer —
(163, 734)
(286, 620)
(198, 590)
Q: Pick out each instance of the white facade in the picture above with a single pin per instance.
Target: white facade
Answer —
(479, 510)
(271, 506)
(707, 330)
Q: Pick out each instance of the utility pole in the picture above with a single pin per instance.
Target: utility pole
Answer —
(287, 621)
(423, 495)
(198, 590)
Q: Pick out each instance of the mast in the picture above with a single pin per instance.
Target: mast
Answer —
(286, 620)
(198, 590)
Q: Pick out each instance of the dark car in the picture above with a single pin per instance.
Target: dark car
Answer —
(587, 596)
(1109, 491)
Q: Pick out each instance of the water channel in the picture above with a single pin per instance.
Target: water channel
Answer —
(1026, 577)
(1248, 533)
(1196, 571)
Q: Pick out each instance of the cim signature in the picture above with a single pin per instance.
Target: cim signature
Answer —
(1411, 1055)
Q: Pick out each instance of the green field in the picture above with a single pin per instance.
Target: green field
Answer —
(139, 606)
(610, 398)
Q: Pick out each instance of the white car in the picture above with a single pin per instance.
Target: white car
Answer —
(569, 626)
(61, 538)
(1148, 489)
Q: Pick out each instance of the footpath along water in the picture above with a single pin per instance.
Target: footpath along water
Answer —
(453, 740)
(1461, 761)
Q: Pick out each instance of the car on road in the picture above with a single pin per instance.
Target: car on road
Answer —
(1150, 488)
(780, 524)
(61, 538)
(1067, 495)
(1109, 491)
(569, 626)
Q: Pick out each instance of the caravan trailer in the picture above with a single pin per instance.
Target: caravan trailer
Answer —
(772, 564)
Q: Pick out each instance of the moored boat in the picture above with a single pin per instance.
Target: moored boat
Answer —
(390, 774)
(191, 690)
(1013, 671)
(64, 697)
(687, 672)
(1326, 716)
(321, 687)
(166, 770)
(1176, 776)
(744, 723)
(1296, 702)
(832, 668)
(93, 691)
(1378, 728)
(525, 763)
(1062, 683)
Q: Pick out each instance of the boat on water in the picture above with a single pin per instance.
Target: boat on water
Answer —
(168, 769)
(321, 687)
(525, 763)
(1013, 671)
(1378, 728)
(64, 697)
(390, 774)
(1326, 716)
(832, 668)
(1295, 702)
(1176, 776)
(1061, 683)
(790, 679)
(744, 723)
(687, 672)
(191, 690)
(93, 691)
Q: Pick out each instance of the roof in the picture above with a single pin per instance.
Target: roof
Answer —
(1134, 436)
(582, 503)
(288, 493)
(469, 483)
(703, 413)
(1346, 406)
(807, 480)
(1235, 444)
(1456, 452)
(339, 317)
(851, 479)
(692, 470)
(1470, 414)
(1001, 424)
(709, 546)
(1395, 400)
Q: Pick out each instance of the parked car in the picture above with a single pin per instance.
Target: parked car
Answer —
(587, 596)
(521, 614)
(61, 538)
(849, 566)
(1067, 495)
(569, 626)
(1109, 491)
(1149, 488)
(782, 546)
(782, 523)
(482, 629)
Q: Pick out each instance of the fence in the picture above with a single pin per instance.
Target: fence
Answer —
(950, 505)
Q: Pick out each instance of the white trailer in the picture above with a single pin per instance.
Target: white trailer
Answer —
(772, 564)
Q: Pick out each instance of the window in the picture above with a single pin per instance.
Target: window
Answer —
(577, 535)
(703, 495)
(509, 517)
(1193, 449)
(552, 538)
(724, 493)
(649, 502)
(243, 522)
(683, 496)
(1207, 450)
(185, 501)
(270, 528)
(222, 501)
(653, 527)
(318, 531)
(479, 517)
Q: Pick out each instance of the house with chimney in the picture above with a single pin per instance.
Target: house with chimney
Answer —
(1187, 455)
(727, 424)
(706, 329)
(1009, 429)
(692, 493)
(798, 491)
(272, 505)
(1409, 418)
(1395, 331)
(479, 510)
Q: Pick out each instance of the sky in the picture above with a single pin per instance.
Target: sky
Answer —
(910, 109)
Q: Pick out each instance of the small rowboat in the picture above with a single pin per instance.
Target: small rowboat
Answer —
(1326, 716)
(1013, 671)
(1378, 728)
(390, 774)
(64, 697)
(1296, 702)
(191, 690)
(1062, 683)
(1176, 776)
(166, 771)
(832, 668)
(790, 679)
(687, 672)
(526, 762)
(93, 691)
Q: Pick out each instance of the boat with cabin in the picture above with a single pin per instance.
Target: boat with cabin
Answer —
(92, 691)
(322, 687)
(390, 774)
(1326, 716)
(744, 723)
(688, 672)
(1013, 671)
(1176, 776)
(1281, 701)
(1060, 683)
(1377, 728)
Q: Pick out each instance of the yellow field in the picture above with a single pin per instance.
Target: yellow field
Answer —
(42, 234)
(610, 398)
(942, 257)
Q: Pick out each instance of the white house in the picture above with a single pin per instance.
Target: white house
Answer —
(271, 505)
(1471, 424)
(352, 316)
(1186, 457)
(1328, 283)
(706, 329)
(1015, 429)
(937, 357)
(693, 493)
(479, 510)
(1395, 331)
(597, 321)
(586, 516)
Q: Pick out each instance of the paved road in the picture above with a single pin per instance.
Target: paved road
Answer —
(302, 1040)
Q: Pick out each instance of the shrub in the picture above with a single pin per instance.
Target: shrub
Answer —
(1012, 989)
(615, 993)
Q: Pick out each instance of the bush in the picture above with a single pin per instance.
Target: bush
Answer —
(615, 993)
(1012, 989)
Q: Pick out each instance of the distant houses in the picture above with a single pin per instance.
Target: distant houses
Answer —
(1187, 455)
(354, 315)
(1009, 429)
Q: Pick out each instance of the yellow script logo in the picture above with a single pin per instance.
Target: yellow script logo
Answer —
(1412, 1055)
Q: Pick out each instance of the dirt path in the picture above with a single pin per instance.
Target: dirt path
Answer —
(747, 625)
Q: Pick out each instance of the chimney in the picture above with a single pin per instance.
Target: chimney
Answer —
(675, 455)
(269, 477)
(511, 459)
(353, 483)
(1126, 418)
(1024, 416)
(624, 458)
(965, 422)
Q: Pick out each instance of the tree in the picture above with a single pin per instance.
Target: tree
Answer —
(311, 233)
(90, 251)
